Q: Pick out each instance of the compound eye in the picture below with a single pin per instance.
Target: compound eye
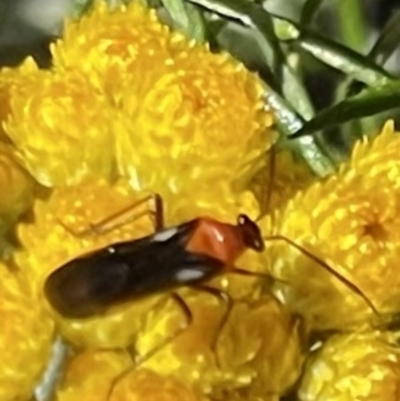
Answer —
(258, 244)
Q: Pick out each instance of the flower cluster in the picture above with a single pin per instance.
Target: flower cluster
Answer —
(130, 109)
(350, 222)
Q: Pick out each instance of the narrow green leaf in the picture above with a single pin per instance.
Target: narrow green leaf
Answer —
(369, 102)
(287, 117)
(187, 18)
(388, 40)
(343, 59)
(308, 11)
(288, 122)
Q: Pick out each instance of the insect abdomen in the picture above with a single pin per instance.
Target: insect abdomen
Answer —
(85, 287)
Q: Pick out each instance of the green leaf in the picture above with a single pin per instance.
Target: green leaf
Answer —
(308, 11)
(187, 18)
(288, 122)
(369, 102)
(343, 59)
(388, 40)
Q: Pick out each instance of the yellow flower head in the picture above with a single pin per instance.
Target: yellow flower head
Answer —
(358, 366)
(60, 126)
(352, 221)
(127, 95)
(201, 117)
(25, 337)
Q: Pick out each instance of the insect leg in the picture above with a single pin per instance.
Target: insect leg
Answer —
(125, 216)
(269, 278)
(328, 268)
(139, 361)
(227, 299)
(188, 321)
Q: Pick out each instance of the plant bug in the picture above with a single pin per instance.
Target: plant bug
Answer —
(189, 254)
(186, 255)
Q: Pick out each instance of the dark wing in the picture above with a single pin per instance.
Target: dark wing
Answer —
(127, 271)
(84, 286)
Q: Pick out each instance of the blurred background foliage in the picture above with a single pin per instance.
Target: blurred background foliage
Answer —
(331, 66)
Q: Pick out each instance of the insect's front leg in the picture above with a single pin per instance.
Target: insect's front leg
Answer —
(124, 216)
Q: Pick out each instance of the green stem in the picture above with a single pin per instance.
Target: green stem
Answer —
(352, 23)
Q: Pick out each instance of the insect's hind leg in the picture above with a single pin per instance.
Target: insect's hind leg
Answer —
(141, 360)
(188, 321)
(227, 299)
(125, 216)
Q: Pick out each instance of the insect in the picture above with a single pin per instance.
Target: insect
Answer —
(189, 254)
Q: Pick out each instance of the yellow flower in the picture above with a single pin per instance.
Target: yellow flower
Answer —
(25, 338)
(126, 94)
(15, 187)
(358, 366)
(352, 221)
(201, 117)
(111, 42)
(60, 125)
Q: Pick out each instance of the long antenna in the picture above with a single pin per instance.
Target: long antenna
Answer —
(328, 268)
